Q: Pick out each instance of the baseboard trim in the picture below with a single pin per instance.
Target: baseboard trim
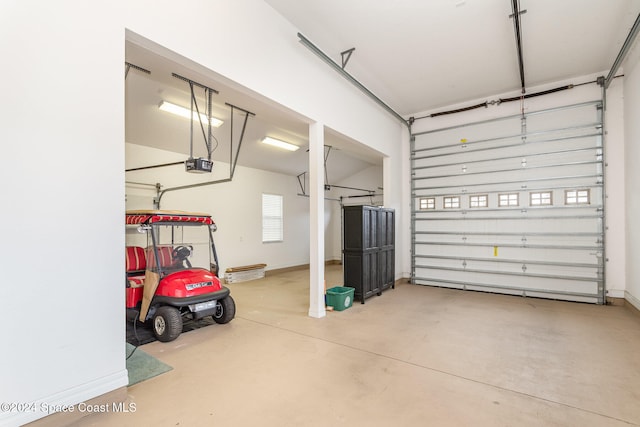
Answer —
(615, 293)
(112, 388)
(287, 269)
(632, 301)
(619, 302)
(301, 267)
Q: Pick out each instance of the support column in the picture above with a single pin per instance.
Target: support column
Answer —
(316, 220)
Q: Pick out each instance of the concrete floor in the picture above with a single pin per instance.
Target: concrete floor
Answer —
(415, 356)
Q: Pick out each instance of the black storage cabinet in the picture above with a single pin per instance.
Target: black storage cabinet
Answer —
(369, 250)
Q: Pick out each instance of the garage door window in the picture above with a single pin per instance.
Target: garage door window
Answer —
(452, 202)
(540, 199)
(272, 222)
(427, 203)
(576, 197)
(479, 201)
(510, 199)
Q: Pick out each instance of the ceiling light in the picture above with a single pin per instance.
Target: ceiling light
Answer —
(280, 144)
(186, 113)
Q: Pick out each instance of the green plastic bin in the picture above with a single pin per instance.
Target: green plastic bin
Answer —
(340, 297)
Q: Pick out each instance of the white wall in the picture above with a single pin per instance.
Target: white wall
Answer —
(239, 238)
(66, 168)
(632, 172)
(615, 152)
(615, 233)
(235, 206)
(288, 73)
(62, 169)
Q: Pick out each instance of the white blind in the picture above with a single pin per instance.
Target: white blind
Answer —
(272, 218)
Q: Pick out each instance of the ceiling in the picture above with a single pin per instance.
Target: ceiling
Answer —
(415, 55)
(146, 125)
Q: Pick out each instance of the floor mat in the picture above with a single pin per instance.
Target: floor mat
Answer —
(141, 366)
(139, 333)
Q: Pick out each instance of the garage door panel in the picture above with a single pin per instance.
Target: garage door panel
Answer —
(543, 142)
(563, 117)
(506, 242)
(512, 205)
(546, 146)
(556, 288)
(571, 262)
(577, 219)
(523, 171)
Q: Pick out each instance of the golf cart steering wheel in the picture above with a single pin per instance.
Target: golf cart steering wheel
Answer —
(181, 253)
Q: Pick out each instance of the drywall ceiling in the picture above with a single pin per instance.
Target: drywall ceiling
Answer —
(146, 125)
(416, 55)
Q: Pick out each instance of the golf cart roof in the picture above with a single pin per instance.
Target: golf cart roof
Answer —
(155, 216)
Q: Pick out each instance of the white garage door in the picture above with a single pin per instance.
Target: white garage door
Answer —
(512, 205)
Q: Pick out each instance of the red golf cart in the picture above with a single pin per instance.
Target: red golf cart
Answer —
(172, 271)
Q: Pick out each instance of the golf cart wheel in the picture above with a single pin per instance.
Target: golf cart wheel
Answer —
(225, 310)
(167, 323)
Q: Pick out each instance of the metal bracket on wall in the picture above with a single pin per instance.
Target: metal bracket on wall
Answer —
(303, 183)
(208, 136)
(313, 48)
(234, 161)
(135, 67)
(346, 55)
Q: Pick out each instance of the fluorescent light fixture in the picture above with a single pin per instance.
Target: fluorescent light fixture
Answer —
(280, 144)
(186, 113)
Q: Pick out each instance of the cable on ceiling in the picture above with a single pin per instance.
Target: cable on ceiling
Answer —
(533, 95)
(501, 100)
(496, 102)
(207, 135)
(458, 110)
(154, 166)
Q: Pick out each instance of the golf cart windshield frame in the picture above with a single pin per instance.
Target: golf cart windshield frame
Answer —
(152, 220)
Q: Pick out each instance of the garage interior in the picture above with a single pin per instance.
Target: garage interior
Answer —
(501, 134)
(416, 352)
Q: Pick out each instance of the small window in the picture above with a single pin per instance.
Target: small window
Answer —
(427, 203)
(272, 222)
(540, 199)
(577, 197)
(451, 202)
(509, 199)
(479, 201)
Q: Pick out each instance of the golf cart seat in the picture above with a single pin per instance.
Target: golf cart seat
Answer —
(136, 264)
(165, 254)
